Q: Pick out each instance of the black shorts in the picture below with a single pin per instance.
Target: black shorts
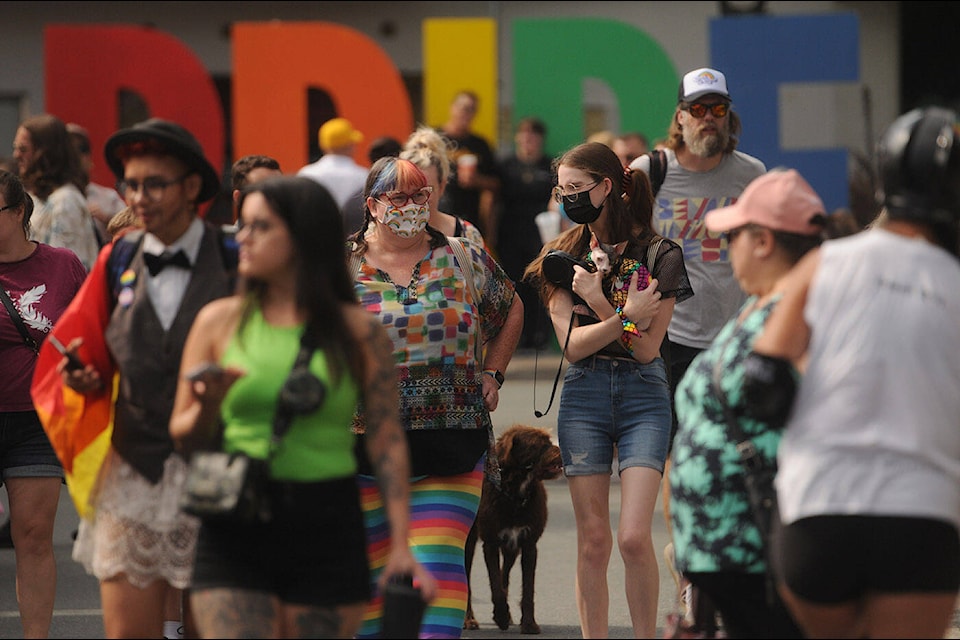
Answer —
(313, 552)
(25, 450)
(834, 559)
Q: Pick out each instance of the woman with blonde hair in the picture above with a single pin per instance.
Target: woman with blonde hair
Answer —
(430, 151)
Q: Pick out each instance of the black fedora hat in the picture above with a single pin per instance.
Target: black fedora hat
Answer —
(179, 142)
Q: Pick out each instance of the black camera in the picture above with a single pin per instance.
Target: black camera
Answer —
(558, 267)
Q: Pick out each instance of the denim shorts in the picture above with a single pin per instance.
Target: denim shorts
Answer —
(611, 401)
(25, 450)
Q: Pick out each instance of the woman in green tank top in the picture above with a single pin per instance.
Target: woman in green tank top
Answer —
(304, 572)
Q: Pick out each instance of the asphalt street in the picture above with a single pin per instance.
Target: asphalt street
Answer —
(78, 613)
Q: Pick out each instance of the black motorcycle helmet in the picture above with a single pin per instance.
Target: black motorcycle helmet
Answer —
(919, 166)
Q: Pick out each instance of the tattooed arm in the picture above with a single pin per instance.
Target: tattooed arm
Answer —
(387, 447)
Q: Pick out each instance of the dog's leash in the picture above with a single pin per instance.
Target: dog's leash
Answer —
(556, 380)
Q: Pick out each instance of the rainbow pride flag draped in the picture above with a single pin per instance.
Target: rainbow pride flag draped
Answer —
(79, 426)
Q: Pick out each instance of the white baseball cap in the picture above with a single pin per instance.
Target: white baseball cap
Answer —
(701, 82)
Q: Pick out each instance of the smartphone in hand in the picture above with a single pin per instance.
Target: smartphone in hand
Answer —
(203, 371)
(73, 362)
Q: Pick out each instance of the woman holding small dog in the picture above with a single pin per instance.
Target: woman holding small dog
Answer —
(303, 572)
(445, 303)
(615, 392)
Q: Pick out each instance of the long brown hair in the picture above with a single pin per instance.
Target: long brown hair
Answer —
(56, 161)
(629, 208)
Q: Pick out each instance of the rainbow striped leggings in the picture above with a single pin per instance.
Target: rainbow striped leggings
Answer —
(442, 510)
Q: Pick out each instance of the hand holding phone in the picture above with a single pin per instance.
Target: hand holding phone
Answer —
(74, 363)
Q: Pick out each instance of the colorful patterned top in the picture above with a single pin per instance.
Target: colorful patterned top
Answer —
(713, 528)
(433, 324)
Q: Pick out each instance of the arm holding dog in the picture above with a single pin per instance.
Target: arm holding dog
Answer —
(643, 307)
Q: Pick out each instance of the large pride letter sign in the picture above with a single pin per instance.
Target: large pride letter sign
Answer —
(86, 67)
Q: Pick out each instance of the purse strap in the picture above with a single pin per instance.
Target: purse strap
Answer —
(747, 451)
(18, 321)
(283, 416)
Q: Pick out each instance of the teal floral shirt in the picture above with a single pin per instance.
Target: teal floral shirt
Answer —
(433, 322)
(713, 528)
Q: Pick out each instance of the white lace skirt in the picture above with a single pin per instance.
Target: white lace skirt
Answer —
(137, 528)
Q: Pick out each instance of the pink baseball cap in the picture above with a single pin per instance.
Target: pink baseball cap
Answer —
(780, 200)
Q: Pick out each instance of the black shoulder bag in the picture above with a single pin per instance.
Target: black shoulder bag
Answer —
(226, 487)
(18, 321)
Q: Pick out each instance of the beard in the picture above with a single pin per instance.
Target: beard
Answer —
(706, 145)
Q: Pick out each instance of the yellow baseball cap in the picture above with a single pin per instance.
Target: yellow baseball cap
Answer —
(337, 133)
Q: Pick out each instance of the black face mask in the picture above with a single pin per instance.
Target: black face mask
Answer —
(581, 210)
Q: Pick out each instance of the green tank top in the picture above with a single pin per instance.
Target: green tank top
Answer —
(318, 446)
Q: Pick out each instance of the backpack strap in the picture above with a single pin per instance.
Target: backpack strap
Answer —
(658, 170)
(652, 250)
(121, 255)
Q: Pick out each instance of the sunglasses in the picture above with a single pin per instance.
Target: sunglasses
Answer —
(699, 110)
(733, 233)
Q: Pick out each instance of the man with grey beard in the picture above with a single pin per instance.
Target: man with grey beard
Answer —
(704, 171)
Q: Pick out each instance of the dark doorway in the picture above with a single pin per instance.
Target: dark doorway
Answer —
(929, 50)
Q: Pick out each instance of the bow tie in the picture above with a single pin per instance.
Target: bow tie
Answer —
(155, 264)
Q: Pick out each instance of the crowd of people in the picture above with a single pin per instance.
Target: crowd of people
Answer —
(353, 327)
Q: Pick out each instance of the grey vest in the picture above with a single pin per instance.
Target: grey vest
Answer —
(148, 358)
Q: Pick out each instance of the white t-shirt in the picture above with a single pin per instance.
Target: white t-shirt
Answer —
(342, 177)
(681, 204)
(876, 425)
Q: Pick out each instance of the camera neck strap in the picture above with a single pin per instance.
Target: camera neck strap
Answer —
(556, 379)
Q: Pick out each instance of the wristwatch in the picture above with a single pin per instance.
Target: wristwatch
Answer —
(496, 375)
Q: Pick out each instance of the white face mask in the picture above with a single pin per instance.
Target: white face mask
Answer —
(406, 221)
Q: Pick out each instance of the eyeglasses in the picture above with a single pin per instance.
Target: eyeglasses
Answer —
(399, 198)
(153, 187)
(255, 228)
(699, 110)
(571, 192)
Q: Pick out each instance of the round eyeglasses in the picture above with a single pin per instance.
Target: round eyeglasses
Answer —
(570, 192)
(153, 187)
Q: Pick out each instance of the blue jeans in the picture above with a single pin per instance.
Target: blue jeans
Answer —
(612, 401)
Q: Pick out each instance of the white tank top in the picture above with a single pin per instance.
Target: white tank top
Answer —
(876, 425)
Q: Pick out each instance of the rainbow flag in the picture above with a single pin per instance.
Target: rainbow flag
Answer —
(79, 426)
